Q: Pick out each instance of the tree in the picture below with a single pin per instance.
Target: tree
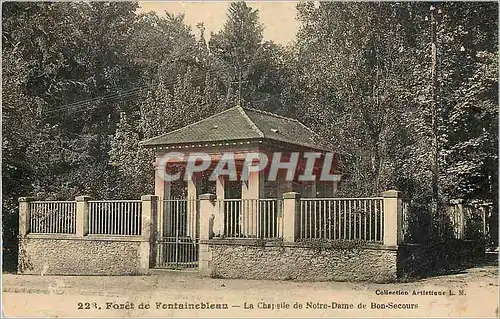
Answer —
(469, 42)
(365, 77)
(167, 107)
(246, 65)
(133, 164)
(350, 87)
(54, 56)
(469, 77)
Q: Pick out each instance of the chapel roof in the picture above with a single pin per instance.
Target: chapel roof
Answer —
(242, 124)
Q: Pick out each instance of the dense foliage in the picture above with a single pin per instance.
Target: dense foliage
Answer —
(84, 82)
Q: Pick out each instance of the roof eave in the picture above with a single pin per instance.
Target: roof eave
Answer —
(203, 143)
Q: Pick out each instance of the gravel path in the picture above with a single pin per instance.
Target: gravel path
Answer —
(50, 296)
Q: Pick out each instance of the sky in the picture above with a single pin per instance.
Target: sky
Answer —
(278, 17)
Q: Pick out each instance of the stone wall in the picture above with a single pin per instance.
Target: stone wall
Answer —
(293, 261)
(71, 255)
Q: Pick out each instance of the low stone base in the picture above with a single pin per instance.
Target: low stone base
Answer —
(70, 255)
(223, 259)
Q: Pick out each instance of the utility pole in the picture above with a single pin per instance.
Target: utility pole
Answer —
(435, 111)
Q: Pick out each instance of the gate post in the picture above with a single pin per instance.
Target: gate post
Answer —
(393, 209)
(149, 207)
(207, 204)
(148, 216)
(220, 215)
(291, 211)
(82, 215)
(461, 220)
(24, 215)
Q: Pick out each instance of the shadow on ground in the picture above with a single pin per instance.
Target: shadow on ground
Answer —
(490, 259)
(9, 260)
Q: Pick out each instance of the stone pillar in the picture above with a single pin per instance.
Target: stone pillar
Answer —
(219, 219)
(82, 215)
(251, 191)
(484, 215)
(393, 209)
(162, 192)
(291, 211)
(460, 221)
(207, 209)
(24, 215)
(162, 187)
(149, 217)
(280, 184)
(220, 184)
(191, 209)
(192, 188)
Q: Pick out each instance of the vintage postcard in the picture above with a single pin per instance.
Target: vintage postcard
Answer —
(250, 159)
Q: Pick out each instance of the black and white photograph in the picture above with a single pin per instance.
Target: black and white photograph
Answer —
(243, 159)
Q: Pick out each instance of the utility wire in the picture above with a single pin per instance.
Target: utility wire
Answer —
(134, 91)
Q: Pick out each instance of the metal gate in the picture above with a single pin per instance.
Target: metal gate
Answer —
(178, 231)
